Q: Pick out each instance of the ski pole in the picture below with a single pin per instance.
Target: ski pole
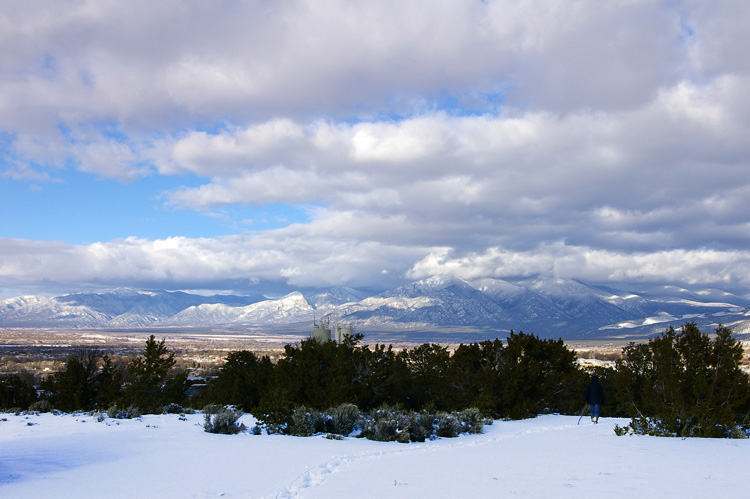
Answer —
(583, 411)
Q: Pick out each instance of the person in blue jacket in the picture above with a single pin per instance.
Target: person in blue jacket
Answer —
(594, 396)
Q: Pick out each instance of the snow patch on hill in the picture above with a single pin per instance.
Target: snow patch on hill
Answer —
(547, 306)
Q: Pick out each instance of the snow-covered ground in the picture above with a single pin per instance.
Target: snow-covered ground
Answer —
(549, 456)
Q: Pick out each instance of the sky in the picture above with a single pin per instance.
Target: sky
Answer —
(239, 147)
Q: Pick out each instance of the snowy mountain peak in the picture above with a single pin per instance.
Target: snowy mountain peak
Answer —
(498, 288)
(428, 286)
(545, 305)
(440, 281)
(334, 297)
(294, 300)
(557, 287)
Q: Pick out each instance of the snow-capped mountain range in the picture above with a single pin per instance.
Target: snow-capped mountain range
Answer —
(546, 306)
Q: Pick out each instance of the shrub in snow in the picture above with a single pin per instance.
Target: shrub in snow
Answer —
(658, 428)
(388, 424)
(305, 422)
(421, 426)
(212, 409)
(274, 426)
(40, 406)
(448, 425)
(224, 421)
(342, 419)
(131, 412)
(384, 428)
(173, 409)
(472, 421)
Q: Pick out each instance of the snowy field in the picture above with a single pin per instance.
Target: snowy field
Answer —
(549, 456)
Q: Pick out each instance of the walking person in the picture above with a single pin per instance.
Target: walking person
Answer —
(594, 396)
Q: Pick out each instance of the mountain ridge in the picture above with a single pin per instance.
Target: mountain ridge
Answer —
(545, 305)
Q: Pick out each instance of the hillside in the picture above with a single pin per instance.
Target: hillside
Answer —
(170, 456)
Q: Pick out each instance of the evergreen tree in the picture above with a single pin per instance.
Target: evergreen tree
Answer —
(729, 385)
(379, 377)
(109, 383)
(15, 393)
(427, 365)
(633, 379)
(538, 376)
(241, 381)
(474, 378)
(305, 376)
(75, 387)
(526, 377)
(684, 383)
(149, 373)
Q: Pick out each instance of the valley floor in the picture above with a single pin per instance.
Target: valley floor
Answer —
(168, 456)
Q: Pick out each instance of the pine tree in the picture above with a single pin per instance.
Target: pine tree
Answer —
(427, 365)
(109, 383)
(241, 381)
(15, 393)
(379, 377)
(538, 376)
(74, 388)
(474, 378)
(148, 375)
(684, 383)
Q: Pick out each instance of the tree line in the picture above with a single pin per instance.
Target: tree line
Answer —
(684, 383)
(91, 380)
(680, 383)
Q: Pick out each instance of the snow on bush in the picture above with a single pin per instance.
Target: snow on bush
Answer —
(224, 421)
